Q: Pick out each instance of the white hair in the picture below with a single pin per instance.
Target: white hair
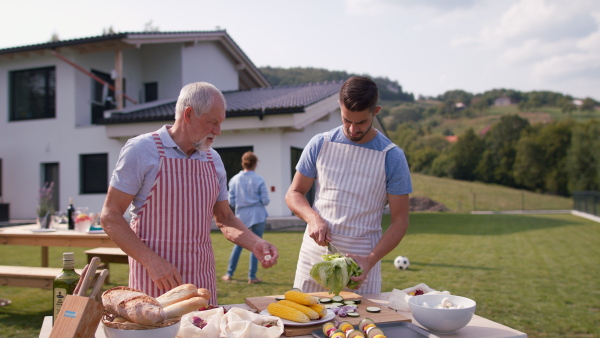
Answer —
(198, 95)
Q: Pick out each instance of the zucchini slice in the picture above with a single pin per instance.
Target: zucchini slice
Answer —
(337, 299)
(373, 309)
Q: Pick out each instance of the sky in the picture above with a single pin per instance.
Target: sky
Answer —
(427, 46)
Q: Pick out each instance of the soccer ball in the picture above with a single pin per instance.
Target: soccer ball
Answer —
(401, 263)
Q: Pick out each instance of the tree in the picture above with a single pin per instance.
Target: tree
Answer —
(499, 156)
(54, 37)
(466, 155)
(149, 27)
(588, 104)
(584, 157)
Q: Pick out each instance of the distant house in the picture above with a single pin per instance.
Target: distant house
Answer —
(459, 105)
(72, 105)
(451, 138)
(503, 101)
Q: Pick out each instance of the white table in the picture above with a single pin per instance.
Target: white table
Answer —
(478, 327)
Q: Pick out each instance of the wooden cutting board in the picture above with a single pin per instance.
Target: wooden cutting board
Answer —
(386, 315)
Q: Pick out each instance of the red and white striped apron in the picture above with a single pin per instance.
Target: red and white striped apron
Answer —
(350, 196)
(175, 222)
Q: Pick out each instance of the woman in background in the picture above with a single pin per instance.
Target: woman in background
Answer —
(248, 196)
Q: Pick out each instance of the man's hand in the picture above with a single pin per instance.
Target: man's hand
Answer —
(365, 264)
(164, 274)
(266, 253)
(319, 231)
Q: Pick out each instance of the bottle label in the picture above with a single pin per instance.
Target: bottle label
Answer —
(59, 298)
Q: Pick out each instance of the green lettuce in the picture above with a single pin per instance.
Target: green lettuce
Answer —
(334, 273)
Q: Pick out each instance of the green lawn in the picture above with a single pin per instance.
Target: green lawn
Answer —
(536, 273)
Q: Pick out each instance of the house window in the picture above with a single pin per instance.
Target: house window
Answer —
(32, 94)
(232, 159)
(151, 91)
(102, 96)
(93, 173)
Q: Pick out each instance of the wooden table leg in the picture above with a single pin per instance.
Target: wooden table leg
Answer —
(45, 256)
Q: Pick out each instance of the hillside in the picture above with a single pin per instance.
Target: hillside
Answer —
(464, 197)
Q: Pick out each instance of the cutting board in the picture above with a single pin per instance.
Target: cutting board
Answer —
(386, 315)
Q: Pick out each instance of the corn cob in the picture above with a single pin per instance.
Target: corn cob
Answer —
(320, 309)
(286, 312)
(301, 298)
(312, 314)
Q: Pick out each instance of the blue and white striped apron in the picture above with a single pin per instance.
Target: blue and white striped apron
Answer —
(350, 197)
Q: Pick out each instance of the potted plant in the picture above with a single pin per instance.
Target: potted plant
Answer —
(45, 208)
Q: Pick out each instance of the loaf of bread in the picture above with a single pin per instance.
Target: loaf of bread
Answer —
(177, 294)
(181, 308)
(133, 305)
(204, 293)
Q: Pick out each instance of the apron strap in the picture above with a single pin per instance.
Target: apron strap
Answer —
(159, 145)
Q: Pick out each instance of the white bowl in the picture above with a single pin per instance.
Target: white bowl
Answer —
(442, 320)
(162, 332)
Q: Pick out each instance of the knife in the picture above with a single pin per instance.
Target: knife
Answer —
(99, 283)
(78, 287)
(333, 249)
(89, 276)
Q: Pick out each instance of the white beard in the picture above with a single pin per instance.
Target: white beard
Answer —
(203, 144)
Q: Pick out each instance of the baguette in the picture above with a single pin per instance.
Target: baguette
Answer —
(204, 293)
(177, 294)
(133, 305)
(181, 308)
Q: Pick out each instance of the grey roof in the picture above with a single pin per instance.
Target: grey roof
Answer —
(99, 38)
(254, 102)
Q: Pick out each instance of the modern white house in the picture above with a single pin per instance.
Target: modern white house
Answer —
(68, 107)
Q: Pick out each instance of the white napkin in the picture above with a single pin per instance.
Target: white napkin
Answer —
(240, 323)
(399, 298)
(212, 329)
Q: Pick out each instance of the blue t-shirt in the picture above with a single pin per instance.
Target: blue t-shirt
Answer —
(138, 164)
(248, 194)
(397, 174)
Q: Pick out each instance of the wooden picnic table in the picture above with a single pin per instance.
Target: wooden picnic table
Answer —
(30, 235)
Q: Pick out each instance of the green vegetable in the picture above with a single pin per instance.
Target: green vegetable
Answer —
(334, 273)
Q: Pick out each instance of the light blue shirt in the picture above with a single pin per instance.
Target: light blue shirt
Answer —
(397, 174)
(138, 164)
(248, 195)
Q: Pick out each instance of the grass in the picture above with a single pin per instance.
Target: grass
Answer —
(535, 273)
(461, 196)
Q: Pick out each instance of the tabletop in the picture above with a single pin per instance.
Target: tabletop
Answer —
(477, 327)
(30, 234)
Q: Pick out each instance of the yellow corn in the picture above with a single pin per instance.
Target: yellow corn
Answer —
(286, 312)
(312, 314)
(320, 309)
(301, 298)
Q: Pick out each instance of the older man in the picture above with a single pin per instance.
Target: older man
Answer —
(175, 183)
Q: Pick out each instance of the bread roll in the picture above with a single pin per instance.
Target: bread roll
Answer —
(177, 294)
(204, 293)
(186, 306)
(133, 305)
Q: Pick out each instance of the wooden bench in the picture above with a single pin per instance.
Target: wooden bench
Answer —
(27, 276)
(107, 256)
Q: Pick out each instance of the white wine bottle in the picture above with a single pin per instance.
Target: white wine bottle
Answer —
(65, 283)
